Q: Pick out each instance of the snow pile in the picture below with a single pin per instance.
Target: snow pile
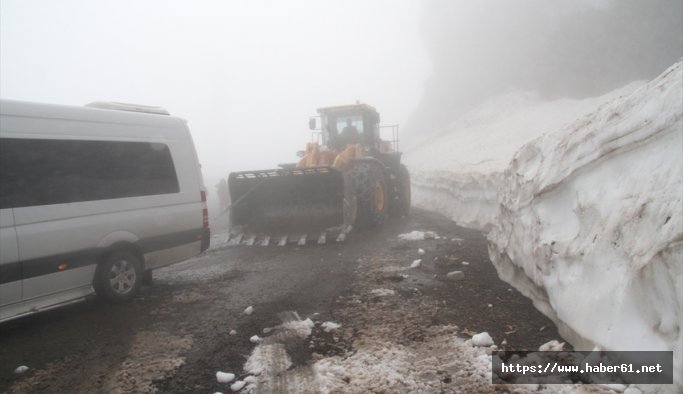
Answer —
(416, 263)
(380, 365)
(302, 328)
(268, 359)
(591, 223)
(457, 172)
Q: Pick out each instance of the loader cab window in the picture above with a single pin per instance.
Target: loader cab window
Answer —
(349, 124)
(345, 129)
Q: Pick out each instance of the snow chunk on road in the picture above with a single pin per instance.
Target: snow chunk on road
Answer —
(255, 339)
(21, 369)
(330, 326)
(232, 332)
(552, 346)
(417, 236)
(383, 292)
(224, 377)
(416, 263)
(249, 310)
(238, 385)
(483, 339)
(421, 252)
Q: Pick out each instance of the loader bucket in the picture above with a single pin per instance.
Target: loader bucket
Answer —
(286, 201)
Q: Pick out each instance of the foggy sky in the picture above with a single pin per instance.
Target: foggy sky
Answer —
(573, 49)
(245, 74)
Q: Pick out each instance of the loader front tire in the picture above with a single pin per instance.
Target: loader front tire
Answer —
(372, 199)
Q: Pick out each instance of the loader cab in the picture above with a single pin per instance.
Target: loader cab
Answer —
(350, 124)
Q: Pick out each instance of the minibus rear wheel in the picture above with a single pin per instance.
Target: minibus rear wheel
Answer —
(119, 277)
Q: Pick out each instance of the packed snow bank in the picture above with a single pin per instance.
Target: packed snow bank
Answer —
(587, 219)
(458, 171)
(591, 223)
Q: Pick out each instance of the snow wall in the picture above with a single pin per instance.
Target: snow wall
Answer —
(587, 219)
(458, 171)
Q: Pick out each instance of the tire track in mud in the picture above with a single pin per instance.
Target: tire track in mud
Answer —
(153, 355)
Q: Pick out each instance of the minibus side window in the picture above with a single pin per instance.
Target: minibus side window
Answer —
(49, 171)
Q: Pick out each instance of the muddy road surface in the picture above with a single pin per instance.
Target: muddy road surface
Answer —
(191, 322)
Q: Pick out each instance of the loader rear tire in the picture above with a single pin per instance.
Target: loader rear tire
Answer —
(371, 195)
(401, 206)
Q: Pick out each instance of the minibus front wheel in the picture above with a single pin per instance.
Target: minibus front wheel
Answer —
(119, 277)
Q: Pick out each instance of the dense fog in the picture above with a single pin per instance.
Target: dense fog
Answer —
(247, 75)
(558, 49)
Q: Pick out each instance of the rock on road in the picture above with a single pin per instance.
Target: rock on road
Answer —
(191, 323)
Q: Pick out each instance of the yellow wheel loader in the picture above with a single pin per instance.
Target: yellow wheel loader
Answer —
(347, 178)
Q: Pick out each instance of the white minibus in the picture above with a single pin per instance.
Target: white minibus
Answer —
(92, 199)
